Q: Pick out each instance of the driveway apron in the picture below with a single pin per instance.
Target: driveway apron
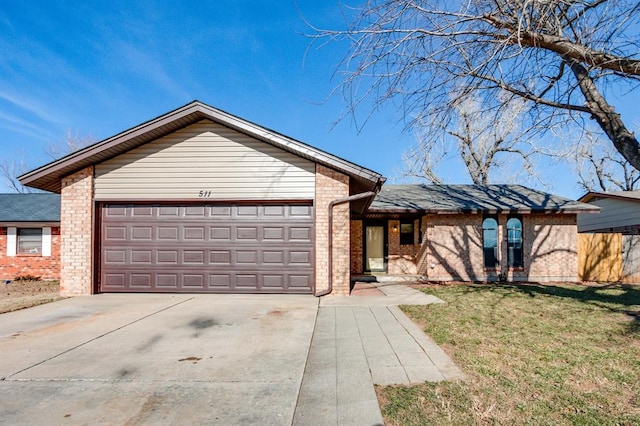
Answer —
(155, 359)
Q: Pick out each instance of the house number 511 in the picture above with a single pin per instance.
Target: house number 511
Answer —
(204, 194)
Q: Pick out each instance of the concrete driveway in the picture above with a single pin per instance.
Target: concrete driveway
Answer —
(149, 359)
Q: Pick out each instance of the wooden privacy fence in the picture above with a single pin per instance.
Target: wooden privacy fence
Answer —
(610, 257)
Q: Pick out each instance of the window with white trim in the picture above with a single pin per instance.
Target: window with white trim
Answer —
(29, 241)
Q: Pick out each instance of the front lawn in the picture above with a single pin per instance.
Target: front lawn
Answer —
(533, 354)
(22, 294)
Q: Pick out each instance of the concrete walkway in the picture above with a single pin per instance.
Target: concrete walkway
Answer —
(362, 340)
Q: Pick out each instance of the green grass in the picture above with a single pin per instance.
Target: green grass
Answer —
(533, 355)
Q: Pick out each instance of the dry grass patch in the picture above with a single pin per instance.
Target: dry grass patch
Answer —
(533, 354)
(25, 294)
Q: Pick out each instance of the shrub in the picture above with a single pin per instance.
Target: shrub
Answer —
(27, 277)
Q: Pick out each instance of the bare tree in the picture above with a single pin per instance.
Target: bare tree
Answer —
(10, 169)
(561, 56)
(19, 165)
(71, 143)
(600, 168)
(491, 144)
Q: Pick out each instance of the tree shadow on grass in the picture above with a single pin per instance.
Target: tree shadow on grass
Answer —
(626, 299)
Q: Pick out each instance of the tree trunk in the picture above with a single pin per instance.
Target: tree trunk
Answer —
(625, 141)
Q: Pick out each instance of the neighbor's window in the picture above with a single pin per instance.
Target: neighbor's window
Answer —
(29, 240)
(490, 242)
(514, 242)
(406, 233)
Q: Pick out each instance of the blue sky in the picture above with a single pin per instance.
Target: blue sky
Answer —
(94, 69)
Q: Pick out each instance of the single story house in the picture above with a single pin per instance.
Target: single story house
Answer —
(29, 235)
(199, 200)
(468, 233)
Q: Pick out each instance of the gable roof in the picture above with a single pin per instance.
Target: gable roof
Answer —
(48, 176)
(633, 196)
(37, 207)
(472, 199)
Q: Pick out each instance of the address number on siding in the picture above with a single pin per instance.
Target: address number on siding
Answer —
(204, 194)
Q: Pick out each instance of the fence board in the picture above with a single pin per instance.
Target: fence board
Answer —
(600, 257)
(631, 259)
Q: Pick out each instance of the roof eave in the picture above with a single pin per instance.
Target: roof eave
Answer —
(29, 223)
(586, 198)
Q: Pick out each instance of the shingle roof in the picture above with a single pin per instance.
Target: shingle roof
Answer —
(37, 207)
(472, 199)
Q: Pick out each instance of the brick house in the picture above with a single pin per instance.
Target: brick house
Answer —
(29, 235)
(199, 200)
(468, 233)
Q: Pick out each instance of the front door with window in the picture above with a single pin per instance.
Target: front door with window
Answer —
(375, 248)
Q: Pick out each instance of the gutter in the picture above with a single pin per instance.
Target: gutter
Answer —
(330, 232)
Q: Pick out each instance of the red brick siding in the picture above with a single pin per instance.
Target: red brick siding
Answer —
(46, 267)
(77, 237)
(331, 185)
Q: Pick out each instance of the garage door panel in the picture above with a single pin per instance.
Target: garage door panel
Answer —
(207, 248)
(167, 281)
(141, 281)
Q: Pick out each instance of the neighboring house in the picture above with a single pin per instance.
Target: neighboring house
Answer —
(468, 232)
(29, 235)
(610, 241)
(619, 212)
(199, 200)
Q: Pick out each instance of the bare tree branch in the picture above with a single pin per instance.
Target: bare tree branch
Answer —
(600, 168)
(490, 144)
(420, 55)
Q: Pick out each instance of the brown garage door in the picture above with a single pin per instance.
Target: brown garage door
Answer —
(207, 248)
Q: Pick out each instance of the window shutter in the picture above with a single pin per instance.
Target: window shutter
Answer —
(46, 241)
(12, 241)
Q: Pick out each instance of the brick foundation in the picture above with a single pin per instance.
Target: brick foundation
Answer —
(77, 237)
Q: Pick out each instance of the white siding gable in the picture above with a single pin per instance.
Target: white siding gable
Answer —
(615, 213)
(205, 161)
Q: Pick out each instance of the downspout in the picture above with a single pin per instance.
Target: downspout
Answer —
(330, 232)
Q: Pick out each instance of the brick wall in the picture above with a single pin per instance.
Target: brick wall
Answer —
(401, 258)
(551, 243)
(77, 242)
(357, 254)
(453, 249)
(46, 267)
(331, 185)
